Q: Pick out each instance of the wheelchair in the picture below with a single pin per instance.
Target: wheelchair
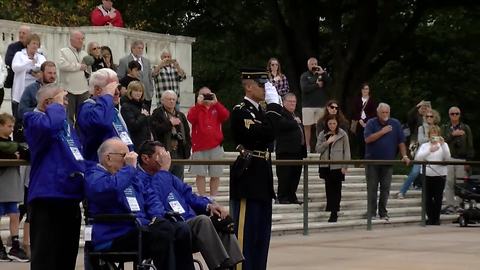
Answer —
(115, 260)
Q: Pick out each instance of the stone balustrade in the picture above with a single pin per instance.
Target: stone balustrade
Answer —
(118, 39)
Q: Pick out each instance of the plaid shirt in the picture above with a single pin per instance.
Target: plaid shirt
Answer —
(281, 85)
(168, 79)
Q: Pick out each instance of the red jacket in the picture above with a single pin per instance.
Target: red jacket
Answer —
(207, 125)
(98, 19)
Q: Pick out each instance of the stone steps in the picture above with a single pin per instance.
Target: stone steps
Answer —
(288, 219)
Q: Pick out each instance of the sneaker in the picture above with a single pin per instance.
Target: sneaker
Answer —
(18, 255)
(400, 196)
(3, 255)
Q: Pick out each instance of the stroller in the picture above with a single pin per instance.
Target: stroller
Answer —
(469, 192)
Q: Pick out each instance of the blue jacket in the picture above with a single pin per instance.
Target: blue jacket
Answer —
(165, 183)
(95, 119)
(105, 194)
(55, 173)
(28, 101)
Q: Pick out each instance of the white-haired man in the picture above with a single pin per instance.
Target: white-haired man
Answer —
(382, 137)
(98, 119)
(170, 127)
(56, 182)
(72, 76)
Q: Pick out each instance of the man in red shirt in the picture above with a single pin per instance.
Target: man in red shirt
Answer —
(206, 118)
(105, 14)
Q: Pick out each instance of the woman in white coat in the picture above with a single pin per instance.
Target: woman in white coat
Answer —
(434, 150)
(26, 65)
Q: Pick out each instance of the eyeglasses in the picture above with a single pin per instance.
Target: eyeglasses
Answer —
(454, 113)
(119, 154)
(96, 48)
(333, 107)
(429, 116)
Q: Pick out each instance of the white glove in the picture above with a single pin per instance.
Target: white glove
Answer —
(271, 95)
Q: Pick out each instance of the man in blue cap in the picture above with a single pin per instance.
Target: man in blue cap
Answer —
(251, 178)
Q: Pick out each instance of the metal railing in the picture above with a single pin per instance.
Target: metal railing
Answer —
(305, 163)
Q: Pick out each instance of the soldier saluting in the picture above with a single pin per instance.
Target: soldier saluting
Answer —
(251, 188)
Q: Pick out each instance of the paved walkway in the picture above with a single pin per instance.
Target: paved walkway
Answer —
(412, 247)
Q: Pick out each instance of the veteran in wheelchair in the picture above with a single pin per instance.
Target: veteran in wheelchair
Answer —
(127, 219)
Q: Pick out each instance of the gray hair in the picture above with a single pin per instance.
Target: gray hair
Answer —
(168, 92)
(106, 147)
(136, 43)
(46, 91)
(382, 105)
(74, 32)
(101, 78)
(289, 94)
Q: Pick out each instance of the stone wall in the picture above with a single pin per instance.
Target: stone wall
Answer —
(118, 39)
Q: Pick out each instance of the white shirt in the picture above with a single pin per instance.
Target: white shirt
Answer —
(22, 65)
(442, 154)
(253, 102)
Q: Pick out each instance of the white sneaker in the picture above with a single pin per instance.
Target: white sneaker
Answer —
(400, 196)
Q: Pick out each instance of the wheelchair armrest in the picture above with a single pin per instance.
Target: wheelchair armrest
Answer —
(113, 218)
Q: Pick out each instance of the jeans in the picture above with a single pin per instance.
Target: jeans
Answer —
(414, 173)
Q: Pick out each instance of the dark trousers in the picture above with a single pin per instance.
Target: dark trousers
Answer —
(54, 234)
(360, 140)
(434, 186)
(378, 175)
(74, 102)
(253, 227)
(168, 244)
(2, 95)
(333, 189)
(288, 177)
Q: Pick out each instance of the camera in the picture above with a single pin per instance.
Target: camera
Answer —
(316, 68)
(208, 96)
(177, 136)
(436, 138)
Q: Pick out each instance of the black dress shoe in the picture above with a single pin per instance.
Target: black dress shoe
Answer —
(284, 202)
(333, 217)
(297, 202)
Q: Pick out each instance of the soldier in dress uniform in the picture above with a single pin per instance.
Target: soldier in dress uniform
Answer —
(251, 187)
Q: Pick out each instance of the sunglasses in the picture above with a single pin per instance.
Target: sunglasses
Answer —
(429, 116)
(333, 107)
(96, 48)
(455, 113)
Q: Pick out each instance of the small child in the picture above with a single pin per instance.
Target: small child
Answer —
(11, 188)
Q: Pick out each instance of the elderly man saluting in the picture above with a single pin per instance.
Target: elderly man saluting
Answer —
(111, 188)
(56, 182)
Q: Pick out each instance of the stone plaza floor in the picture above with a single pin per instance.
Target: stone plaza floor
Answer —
(410, 247)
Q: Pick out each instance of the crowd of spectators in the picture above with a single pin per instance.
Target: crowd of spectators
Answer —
(109, 106)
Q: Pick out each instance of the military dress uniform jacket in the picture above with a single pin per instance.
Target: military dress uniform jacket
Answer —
(252, 128)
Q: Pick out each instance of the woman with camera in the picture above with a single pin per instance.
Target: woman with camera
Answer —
(333, 144)
(276, 77)
(432, 118)
(435, 149)
(171, 128)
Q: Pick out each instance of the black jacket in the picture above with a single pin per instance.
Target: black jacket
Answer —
(162, 131)
(253, 179)
(288, 135)
(138, 124)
